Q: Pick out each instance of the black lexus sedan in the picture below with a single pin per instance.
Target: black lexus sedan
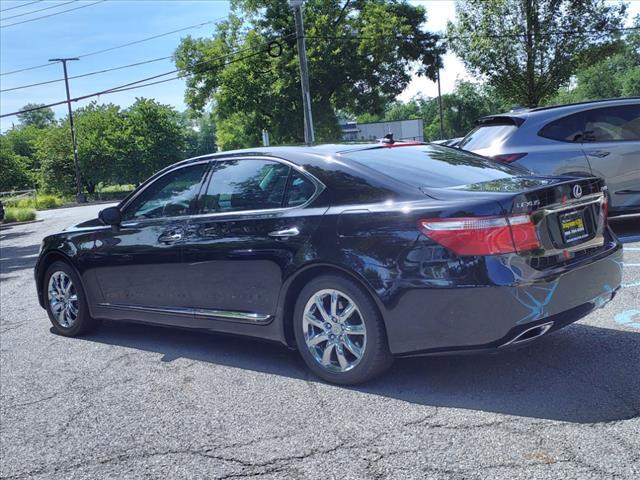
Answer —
(353, 254)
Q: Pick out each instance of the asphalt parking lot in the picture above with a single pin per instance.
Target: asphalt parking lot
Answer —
(132, 401)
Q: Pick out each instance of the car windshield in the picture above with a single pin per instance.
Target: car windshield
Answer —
(486, 136)
(432, 166)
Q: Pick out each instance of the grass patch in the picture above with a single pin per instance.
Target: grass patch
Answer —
(41, 202)
(14, 214)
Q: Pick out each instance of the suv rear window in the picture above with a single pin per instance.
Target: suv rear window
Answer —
(432, 166)
(486, 136)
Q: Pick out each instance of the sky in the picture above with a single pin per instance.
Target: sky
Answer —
(90, 25)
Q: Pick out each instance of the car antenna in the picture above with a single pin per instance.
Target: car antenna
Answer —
(388, 138)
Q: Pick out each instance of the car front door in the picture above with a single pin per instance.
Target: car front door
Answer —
(138, 267)
(252, 226)
(612, 146)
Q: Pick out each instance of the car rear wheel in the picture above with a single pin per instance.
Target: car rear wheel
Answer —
(339, 331)
(65, 301)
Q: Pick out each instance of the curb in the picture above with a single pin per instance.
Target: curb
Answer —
(6, 226)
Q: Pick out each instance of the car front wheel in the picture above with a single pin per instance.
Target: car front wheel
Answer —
(339, 331)
(65, 301)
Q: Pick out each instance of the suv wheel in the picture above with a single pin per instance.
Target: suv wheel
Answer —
(339, 332)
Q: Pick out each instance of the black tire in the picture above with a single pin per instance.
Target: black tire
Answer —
(376, 357)
(83, 322)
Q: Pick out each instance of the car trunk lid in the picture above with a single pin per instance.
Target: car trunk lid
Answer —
(568, 213)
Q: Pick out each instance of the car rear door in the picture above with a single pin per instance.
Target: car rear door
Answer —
(612, 146)
(252, 228)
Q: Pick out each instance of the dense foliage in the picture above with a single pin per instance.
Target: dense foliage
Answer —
(528, 49)
(115, 146)
(360, 55)
(615, 75)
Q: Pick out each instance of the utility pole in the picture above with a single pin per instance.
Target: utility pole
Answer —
(440, 108)
(296, 6)
(80, 197)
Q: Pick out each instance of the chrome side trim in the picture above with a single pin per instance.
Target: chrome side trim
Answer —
(256, 318)
(142, 308)
(245, 317)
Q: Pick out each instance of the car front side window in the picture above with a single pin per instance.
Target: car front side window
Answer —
(171, 195)
(245, 184)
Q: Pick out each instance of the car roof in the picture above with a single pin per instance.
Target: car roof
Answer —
(559, 110)
(302, 154)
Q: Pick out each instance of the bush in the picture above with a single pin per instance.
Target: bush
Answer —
(49, 201)
(13, 214)
(42, 202)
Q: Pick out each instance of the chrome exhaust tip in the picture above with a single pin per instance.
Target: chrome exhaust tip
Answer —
(529, 334)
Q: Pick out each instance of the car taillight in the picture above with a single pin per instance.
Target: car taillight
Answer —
(482, 235)
(605, 209)
(508, 157)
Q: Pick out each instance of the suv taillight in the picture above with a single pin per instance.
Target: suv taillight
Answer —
(482, 235)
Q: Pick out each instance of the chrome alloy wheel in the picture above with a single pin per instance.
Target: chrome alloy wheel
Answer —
(63, 299)
(334, 330)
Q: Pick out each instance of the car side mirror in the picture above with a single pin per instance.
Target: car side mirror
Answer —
(111, 216)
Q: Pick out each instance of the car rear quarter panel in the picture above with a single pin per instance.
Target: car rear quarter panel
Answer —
(431, 299)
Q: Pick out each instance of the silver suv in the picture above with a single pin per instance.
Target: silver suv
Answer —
(600, 138)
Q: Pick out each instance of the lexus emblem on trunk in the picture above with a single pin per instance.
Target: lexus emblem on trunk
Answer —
(577, 191)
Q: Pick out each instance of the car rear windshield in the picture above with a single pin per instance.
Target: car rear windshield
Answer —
(486, 136)
(432, 166)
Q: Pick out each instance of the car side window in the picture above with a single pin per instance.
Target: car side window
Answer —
(171, 195)
(245, 184)
(300, 190)
(566, 129)
(613, 124)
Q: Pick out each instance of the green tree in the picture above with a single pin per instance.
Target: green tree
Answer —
(22, 140)
(41, 118)
(360, 55)
(100, 133)
(528, 49)
(200, 133)
(55, 156)
(616, 75)
(460, 109)
(155, 139)
(13, 167)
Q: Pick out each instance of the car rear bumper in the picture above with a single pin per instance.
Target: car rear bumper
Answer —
(427, 320)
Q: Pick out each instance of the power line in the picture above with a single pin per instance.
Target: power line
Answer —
(19, 6)
(21, 87)
(84, 55)
(53, 14)
(146, 82)
(39, 10)
(496, 36)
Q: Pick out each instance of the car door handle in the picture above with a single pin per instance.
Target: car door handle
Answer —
(170, 237)
(598, 153)
(286, 233)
